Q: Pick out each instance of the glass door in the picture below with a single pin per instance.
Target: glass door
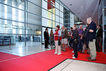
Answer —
(104, 30)
(104, 25)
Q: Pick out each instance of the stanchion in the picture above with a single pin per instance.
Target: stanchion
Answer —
(10, 44)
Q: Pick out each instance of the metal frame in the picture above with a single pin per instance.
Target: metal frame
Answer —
(26, 12)
(103, 7)
(31, 12)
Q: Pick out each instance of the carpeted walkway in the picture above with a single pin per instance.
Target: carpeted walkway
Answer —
(6, 56)
(44, 61)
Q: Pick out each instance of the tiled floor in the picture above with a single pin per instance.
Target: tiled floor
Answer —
(75, 65)
(21, 50)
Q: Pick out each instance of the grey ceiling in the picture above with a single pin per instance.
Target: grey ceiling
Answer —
(83, 8)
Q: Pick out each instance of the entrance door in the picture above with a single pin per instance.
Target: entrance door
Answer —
(104, 29)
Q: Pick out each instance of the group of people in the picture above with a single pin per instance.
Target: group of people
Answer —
(78, 39)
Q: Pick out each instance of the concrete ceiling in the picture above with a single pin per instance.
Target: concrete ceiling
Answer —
(83, 8)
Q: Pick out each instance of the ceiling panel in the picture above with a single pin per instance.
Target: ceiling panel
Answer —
(83, 8)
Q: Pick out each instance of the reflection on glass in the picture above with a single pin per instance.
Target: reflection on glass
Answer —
(105, 42)
(12, 21)
(105, 27)
(5, 11)
(14, 31)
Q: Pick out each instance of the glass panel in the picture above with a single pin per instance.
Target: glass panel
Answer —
(44, 22)
(14, 3)
(57, 18)
(34, 9)
(49, 23)
(54, 24)
(11, 13)
(61, 8)
(45, 13)
(104, 2)
(44, 4)
(10, 26)
(57, 5)
(36, 2)
(105, 19)
(34, 19)
(18, 3)
(32, 32)
(61, 20)
(105, 42)
(57, 12)
(61, 14)
(1, 10)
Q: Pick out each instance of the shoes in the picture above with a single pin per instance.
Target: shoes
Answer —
(59, 53)
(46, 48)
(72, 51)
(64, 50)
(92, 59)
(89, 58)
(73, 57)
(55, 53)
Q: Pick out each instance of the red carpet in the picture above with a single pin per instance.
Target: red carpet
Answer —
(6, 56)
(43, 61)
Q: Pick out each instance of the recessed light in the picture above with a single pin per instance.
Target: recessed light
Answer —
(70, 4)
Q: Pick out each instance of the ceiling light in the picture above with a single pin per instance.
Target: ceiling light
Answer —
(70, 4)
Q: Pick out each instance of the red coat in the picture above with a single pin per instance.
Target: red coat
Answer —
(56, 37)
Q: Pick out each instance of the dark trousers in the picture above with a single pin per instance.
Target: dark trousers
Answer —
(98, 44)
(75, 48)
(46, 43)
(80, 45)
(71, 42)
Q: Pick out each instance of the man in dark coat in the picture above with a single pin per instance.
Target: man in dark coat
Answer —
(46, 38)
(75, 42)
(92, 38)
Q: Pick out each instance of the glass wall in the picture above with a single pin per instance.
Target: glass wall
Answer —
(25, 20)
(20, 21)
(104, 24)
(104, 31)
(67, 18)
(52, 15)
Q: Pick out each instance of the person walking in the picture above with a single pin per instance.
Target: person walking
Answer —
(75, 42)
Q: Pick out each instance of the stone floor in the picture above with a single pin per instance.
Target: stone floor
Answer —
(21, 50)
(75, 65)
